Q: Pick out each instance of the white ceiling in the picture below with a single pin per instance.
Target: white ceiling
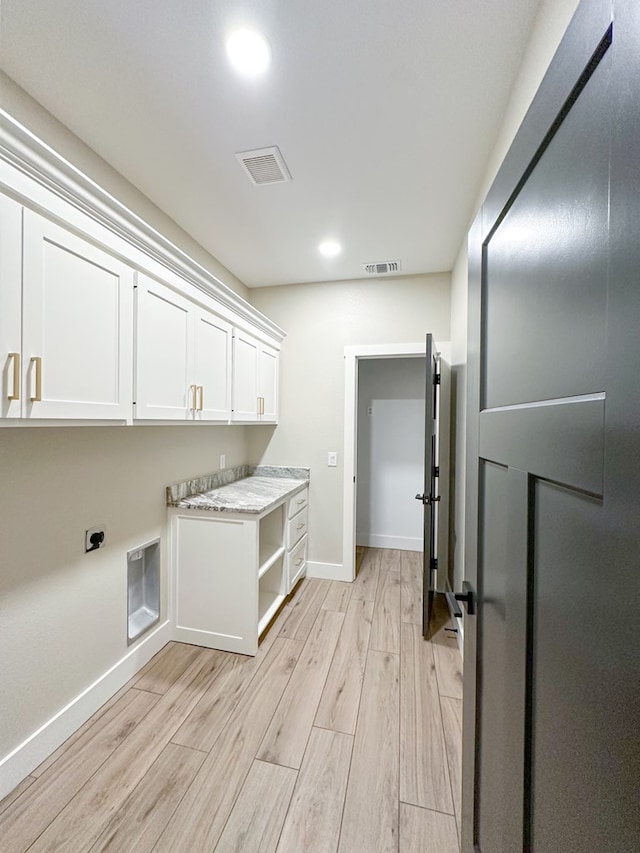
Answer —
(384, 110)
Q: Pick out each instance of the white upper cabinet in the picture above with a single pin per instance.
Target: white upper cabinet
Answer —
(212, 366)
(268, 379)
(74, 360)
(255, 380)
(246, 352)
(78, 321)
(164, 352)
(182, 358)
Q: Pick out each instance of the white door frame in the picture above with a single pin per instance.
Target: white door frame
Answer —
(352, 354)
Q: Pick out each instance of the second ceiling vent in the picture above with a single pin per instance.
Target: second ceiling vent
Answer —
(383, 268)
(264, 166)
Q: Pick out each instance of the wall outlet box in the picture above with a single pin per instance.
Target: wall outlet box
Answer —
(223, 461)
(94, 538)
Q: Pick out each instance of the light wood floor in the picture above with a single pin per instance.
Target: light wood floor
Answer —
(342, 735)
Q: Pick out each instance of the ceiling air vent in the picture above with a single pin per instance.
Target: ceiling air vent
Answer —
(264, 166)
(383, 268)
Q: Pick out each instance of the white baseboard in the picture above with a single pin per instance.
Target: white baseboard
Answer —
(15, 766)
(329, 571)
(401, 543)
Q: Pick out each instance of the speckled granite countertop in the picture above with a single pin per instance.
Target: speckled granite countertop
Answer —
(244, 489)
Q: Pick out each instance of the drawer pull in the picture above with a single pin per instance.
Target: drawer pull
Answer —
(300, 525)
(16, 376)
(37, 361)
(201, 392)
(300, 501)
(194, 401)
(299, 560)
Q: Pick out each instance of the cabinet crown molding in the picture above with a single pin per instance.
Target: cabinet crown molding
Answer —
(30, 155)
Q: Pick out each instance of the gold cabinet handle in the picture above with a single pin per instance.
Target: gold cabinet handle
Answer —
(299, 560)
(262, 405)
(201, 391)
(194, 397)
(16, 376)
(37, 360)
(258, 412)
(300, 501)
(300, 525)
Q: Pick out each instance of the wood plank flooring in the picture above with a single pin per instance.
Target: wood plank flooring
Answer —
(343, 734)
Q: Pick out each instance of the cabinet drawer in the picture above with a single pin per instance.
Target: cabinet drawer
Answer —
(296, 528)
(298, 502)
(297, 562)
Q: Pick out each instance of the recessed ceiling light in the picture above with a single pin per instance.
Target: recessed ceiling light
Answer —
(248, 52)
(329, 248)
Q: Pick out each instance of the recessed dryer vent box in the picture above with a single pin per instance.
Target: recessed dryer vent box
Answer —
(143, 589)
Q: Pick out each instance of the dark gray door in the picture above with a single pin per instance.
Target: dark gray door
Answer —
(553, 532)
(429, 496)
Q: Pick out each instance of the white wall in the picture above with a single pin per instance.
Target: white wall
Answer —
(551, 22)
(321, 319)
(63, 612)
(390, 465)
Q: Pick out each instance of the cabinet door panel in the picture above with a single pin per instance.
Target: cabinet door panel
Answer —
(78, 319)
(164, 371)
(10, 307)
(268, 374)
(212, 367)
(245, 378)
(216, 589)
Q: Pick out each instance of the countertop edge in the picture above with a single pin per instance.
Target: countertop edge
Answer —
(229, 508)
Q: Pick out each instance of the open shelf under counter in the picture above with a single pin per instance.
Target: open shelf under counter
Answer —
(268, 605)
(269, 554)
(272, 589)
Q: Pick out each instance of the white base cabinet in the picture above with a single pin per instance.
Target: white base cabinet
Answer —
(296, 537)
(216, 590)
(232, 572)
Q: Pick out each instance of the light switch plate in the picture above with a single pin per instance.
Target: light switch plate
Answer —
(223, 461)
(332, 458)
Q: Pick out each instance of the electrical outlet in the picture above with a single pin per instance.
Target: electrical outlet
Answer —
(332, 458)
(223, 461)
(94, 538)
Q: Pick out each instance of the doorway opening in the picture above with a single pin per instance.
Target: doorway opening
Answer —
(390, 453)
(379, 506)
(383, 354)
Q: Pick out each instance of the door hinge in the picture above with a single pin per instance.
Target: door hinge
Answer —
(436, 470)
(433, 564)
(436, 379)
